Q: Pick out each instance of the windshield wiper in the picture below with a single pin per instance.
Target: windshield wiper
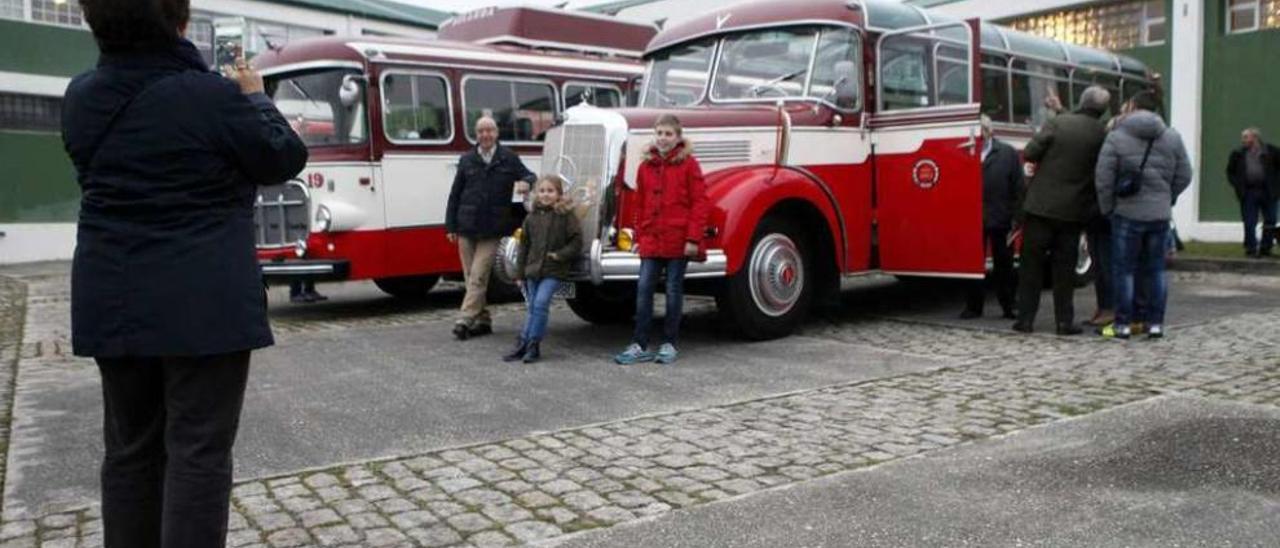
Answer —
(756, 89)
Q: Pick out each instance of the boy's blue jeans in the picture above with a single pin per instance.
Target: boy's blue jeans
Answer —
(1138, 256)
(537, 295)
(649, 271)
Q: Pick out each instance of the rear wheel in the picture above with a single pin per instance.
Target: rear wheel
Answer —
(770, 295)
(604, 304)
(407, 287)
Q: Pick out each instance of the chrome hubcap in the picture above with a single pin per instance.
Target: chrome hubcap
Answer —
(776, 274)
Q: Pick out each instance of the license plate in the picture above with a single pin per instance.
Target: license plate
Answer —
(567, 291)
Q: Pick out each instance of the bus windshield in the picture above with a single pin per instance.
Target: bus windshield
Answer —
(324, 107)
(678, 77)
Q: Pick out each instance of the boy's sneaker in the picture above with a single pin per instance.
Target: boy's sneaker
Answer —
(666, 353)
(1155, 331)
(1112, 331)
(633, 354)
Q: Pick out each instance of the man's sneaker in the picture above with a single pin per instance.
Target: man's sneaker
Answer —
(1112, 331)
(666, 353)
(1155, 331)
(633, 354)
(460, 331)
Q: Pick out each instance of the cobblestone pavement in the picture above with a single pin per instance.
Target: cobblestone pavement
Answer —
(551, 484)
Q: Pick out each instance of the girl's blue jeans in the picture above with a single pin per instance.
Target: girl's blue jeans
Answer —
(537, 295)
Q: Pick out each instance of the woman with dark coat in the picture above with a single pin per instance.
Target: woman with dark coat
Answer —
(166, 292)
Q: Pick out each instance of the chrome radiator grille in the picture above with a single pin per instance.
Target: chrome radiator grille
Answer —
(281, 214)
(577, 153)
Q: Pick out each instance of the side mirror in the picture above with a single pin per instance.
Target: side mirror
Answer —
(349, 91)
(846, 89)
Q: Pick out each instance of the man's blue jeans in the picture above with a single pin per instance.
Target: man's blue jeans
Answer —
(1253, 202)
(537, 296)
(649, 271)
(1138, 254)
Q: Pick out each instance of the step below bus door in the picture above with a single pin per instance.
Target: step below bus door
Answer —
(927, 152)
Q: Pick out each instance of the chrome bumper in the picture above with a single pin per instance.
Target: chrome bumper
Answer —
(305, 270)
(614, 265)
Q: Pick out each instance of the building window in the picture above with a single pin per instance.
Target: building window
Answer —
(64, 12)
(200, 33)
(1242, 15)
(11, 9)
(1114, 26)
(1154, 29)
(1251, 15)
(30, 112)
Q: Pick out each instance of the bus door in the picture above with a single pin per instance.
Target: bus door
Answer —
(417, 169)
(927, 152)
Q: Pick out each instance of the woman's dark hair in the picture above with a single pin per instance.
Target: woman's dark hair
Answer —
(135, 25)
(1147, 100)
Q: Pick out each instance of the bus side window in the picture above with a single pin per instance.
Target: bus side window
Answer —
(522, 109)
(1033, 83)
(904, 82)
(928, 68)
(416, 107)
(995, 88)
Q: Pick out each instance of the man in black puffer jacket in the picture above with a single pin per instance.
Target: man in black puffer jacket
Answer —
(1002, 183)
(479, 213)
(1254, 173)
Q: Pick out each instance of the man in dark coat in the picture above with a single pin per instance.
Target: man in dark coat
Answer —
(1254, 173)
(166, 292)
(479, 213)
(1001, 185)
(1060, 199)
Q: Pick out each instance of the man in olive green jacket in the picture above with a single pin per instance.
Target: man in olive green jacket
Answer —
(1060, 199)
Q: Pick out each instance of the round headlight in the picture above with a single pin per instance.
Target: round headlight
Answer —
(324, 219)
(300, 248)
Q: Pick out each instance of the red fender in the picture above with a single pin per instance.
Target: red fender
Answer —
(741, 197)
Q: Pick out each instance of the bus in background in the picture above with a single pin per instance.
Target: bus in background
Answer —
(386, 119)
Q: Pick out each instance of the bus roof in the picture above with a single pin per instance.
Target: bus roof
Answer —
(359, 51)
(550, 29)
(882, 16)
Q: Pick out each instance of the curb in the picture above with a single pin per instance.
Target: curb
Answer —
(1242, 266)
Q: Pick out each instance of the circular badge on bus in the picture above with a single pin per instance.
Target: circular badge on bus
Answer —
(925, 174)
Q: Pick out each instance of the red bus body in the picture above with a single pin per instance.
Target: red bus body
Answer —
(860, 152)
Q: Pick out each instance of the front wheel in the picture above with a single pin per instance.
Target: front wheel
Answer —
(770, 295)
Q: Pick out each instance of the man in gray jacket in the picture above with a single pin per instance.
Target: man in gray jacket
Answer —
(1140, 221)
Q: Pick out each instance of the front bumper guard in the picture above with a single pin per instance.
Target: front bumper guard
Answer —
(315, 270)
(615, 265)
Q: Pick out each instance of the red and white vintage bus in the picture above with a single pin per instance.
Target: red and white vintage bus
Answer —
(837, 138)
(385, 121)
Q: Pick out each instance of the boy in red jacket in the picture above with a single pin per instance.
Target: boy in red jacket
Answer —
(672, 219)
